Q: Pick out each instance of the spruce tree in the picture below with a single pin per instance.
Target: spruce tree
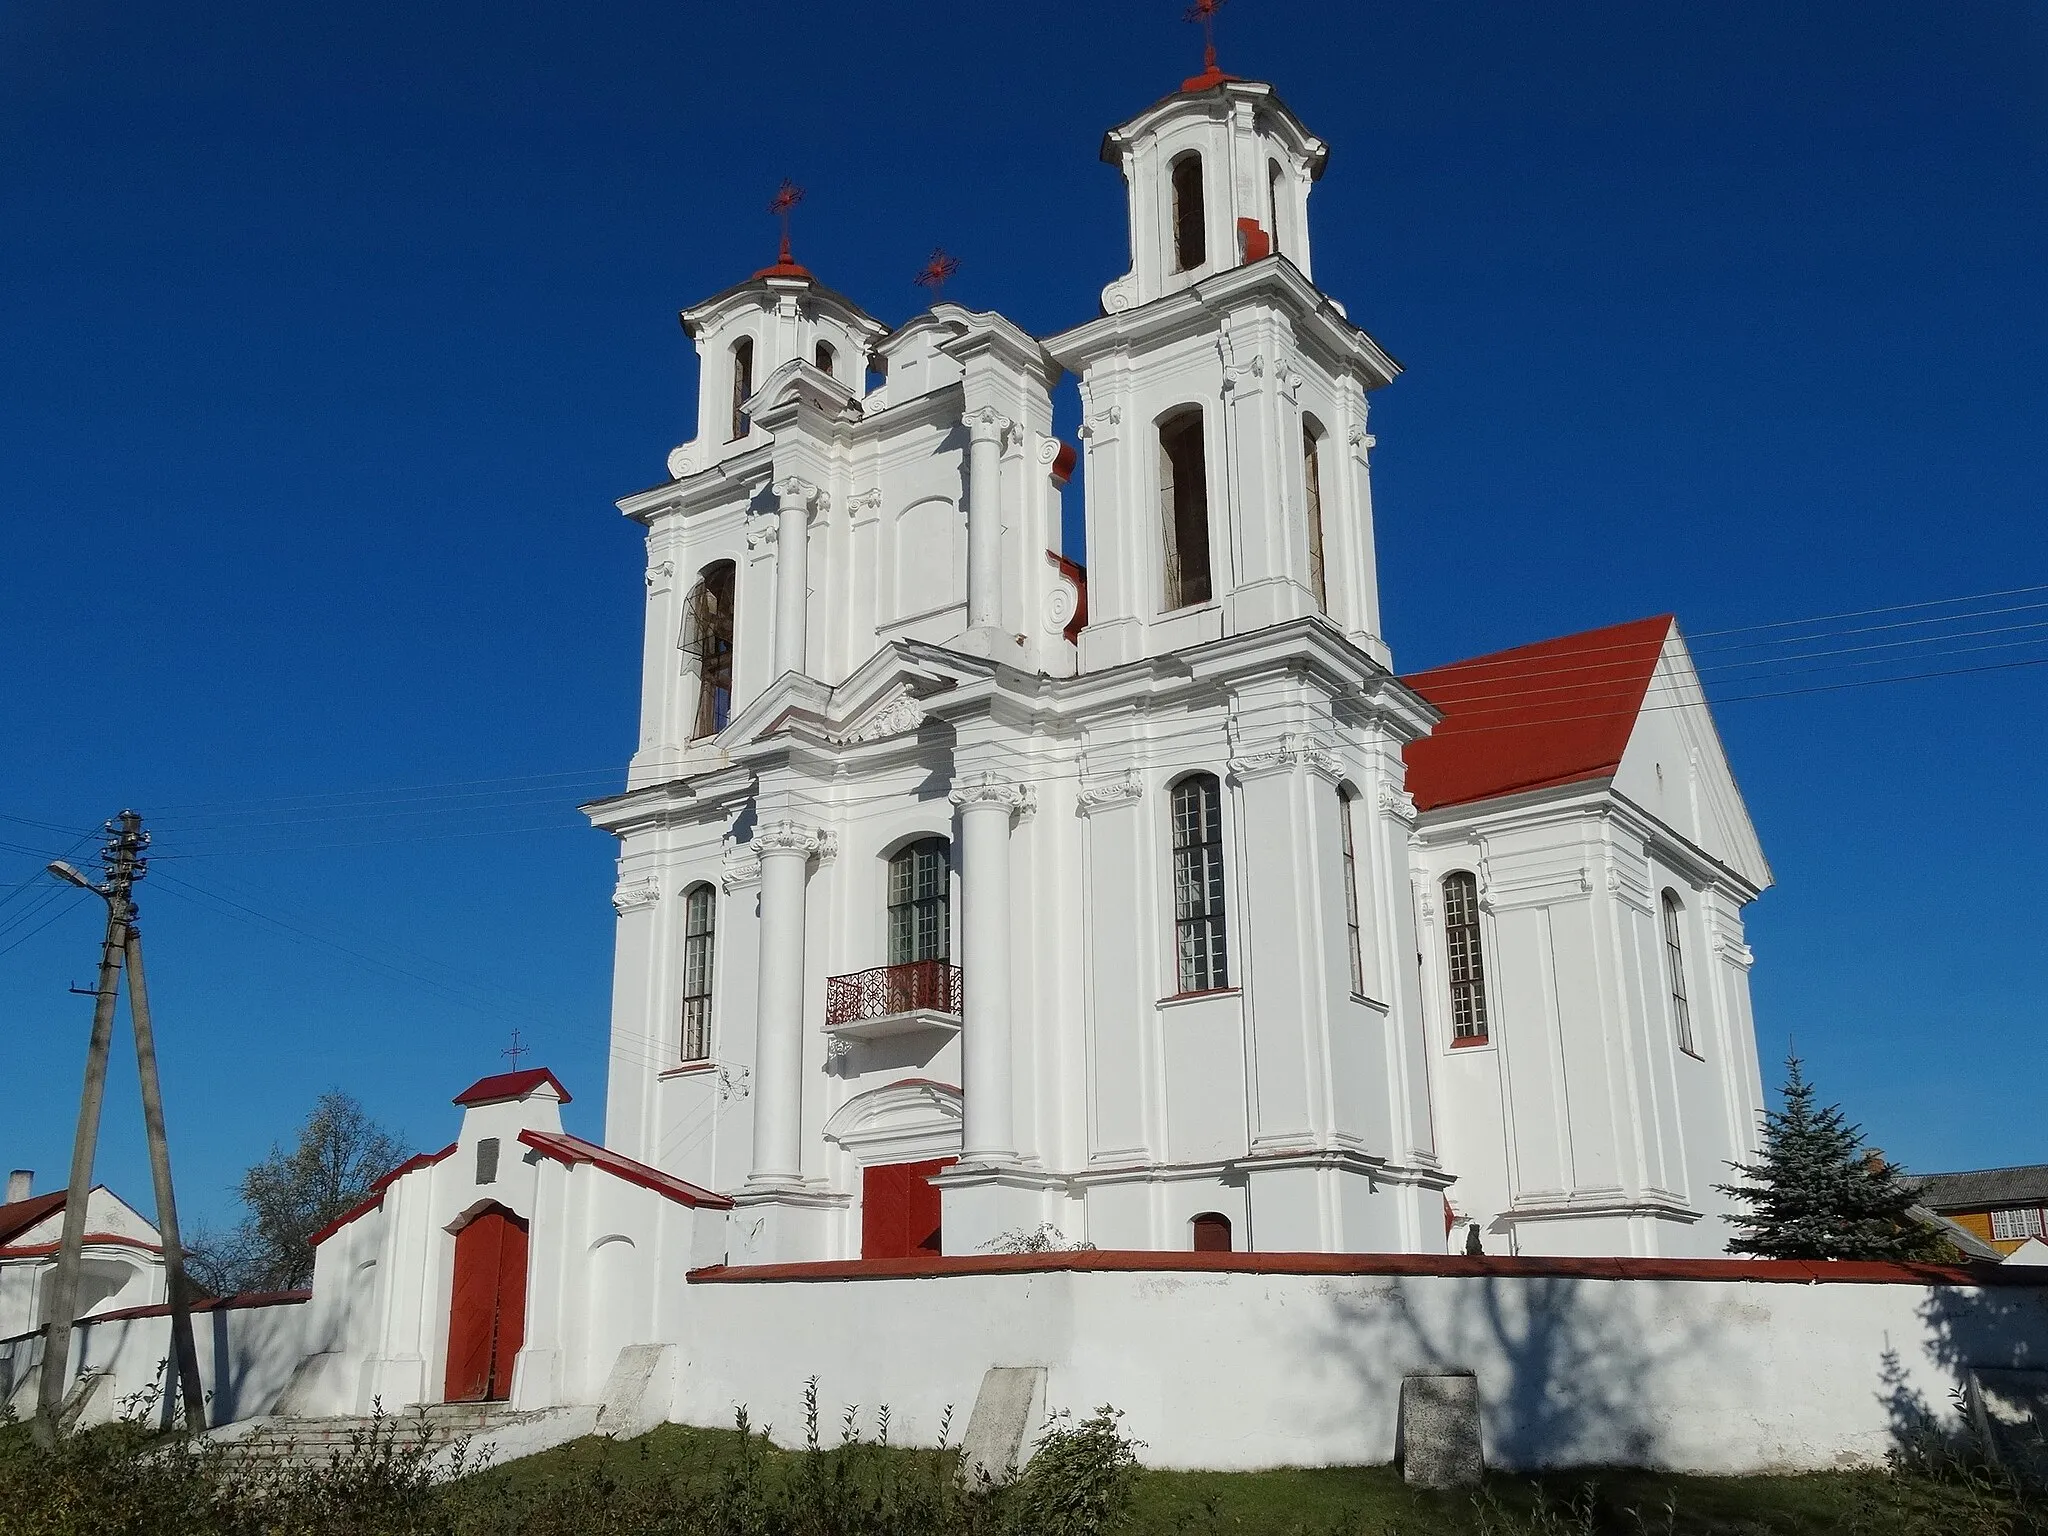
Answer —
(1816, 1192)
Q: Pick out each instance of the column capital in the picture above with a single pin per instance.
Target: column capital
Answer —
(988, 789)
(988, 425)
(787, 837)
(793, 493)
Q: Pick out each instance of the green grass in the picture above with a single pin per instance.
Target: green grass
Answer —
(1373, 1501)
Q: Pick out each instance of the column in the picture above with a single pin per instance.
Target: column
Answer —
(785, 848)
(794, 497)
(985, 429)
(986, 804)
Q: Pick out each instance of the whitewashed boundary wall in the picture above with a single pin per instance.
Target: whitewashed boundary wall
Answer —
(1245, 1361)
(248, 1347)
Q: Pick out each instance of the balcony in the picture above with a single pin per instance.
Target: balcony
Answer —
(893, 1000)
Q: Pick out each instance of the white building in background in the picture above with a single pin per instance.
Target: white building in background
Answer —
(123, 1257)
(963, 893)
(967, 898)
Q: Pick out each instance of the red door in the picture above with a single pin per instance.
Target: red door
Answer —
(899, 1210)
(487, 1313)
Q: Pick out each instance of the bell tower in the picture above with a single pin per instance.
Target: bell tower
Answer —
(1223, 394)
(1217, 174)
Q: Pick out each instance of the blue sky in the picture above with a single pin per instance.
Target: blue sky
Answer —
(331, 334)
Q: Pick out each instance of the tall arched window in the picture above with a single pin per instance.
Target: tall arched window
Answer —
(1347, 803)
(1467, 965)
(825, 356)
(700, 918)
(1312, 481)
(742, 383)
(1274, 176)
(1674, 963)
(1184, 508)
(708, 636)
(1211, 1232)
(920, 903)
(1190, 247)
(1199, 941)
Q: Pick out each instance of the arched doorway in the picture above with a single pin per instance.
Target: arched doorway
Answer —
(487, 1306)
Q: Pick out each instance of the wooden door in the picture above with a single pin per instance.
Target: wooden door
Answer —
(899, 1210)
(487, 1310)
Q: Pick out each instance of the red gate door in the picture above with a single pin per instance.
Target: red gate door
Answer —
(899, 1210)
(487, 1312)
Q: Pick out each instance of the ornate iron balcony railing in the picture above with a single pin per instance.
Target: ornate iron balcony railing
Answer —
(922, 986)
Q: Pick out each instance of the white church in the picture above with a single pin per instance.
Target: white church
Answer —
(971, 901)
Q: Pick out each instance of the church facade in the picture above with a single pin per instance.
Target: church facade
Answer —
(969, 899)
(972, 902)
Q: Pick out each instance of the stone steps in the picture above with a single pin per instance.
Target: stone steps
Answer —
(315, 1442)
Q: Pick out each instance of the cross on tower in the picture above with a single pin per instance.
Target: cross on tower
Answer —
(515, 1050)
(936, 269)
(1205, 11)
(787, 196)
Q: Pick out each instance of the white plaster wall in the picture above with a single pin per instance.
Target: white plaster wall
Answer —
(1233, 1370)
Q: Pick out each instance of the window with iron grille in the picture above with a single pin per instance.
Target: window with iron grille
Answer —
(920, 903)
(1674, 962)
(1346, 801)
(1190, 237)
(1312, 479)
(708, 636)
(1184, 508)
(700, 914)
(742, 383)
(1467, 963)
(2017, 1224)
(1198, 884)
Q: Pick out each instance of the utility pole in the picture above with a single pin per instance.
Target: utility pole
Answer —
(121, 855)
(180, 1295)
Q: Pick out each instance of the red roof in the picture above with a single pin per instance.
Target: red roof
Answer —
(23, 1214)
(571, 1150)
(375, 1197)
(1556, 712)
(510, 1085)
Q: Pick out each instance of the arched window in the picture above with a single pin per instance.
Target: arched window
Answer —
(1312, 482)
(700, 917)
(1190, 249)
(826, 357)
(1211, 1232)
(1467, 965)
(1347, 803)
(742, 383)
(708, 636)
(1674, 962)
(1198, 934)
(920, 903)
(1274, 177)
(1184, 508)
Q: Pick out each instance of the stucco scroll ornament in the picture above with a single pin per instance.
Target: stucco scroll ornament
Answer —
(1062, 602)
(1101, 794)
(741, 867)
(1397, 803)
(1120, 295)
(1235, 374)
(991, 789)
(685, 460)
(1362, 440)
(778, 837)
(633, 895)
(1290, 379)
(864, 503)
(1048, 449)
(659, 576)
(1295, 749)
(900, 714)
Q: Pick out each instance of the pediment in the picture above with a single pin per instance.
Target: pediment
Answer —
(885, 697)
